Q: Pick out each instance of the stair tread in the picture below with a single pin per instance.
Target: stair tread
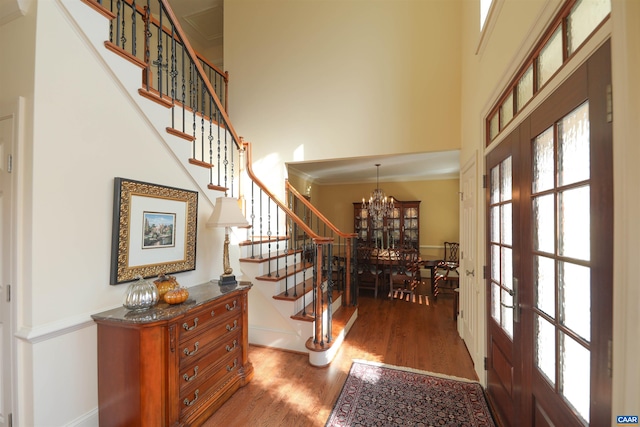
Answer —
(280, 254)
(262, 239)
(338, 323)
(297, 292)
(308, 310)
(284, 272)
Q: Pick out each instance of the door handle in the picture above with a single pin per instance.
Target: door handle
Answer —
(516, 303)
(471, 273)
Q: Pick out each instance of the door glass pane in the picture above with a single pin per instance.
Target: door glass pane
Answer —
(575, 379)
(544, 282)
(493, 127)
(543, 161)
(506, 227)
(575, 297)
(583, 19)
(507, 313)
(495, 302)
(574, 223)
(573, 149)
(506, 111)
(505, 180)
(550, 58)
(525, 88)
(495, 262)
(545, 348)
(543, 224)
(507, 268)
(495, 184)
(495, 224)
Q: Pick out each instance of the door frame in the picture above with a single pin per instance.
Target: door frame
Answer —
(14, 112)
(579, 87)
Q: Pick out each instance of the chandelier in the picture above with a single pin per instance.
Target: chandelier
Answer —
(378, 206)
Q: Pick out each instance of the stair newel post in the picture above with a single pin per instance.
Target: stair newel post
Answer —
(329, 262)
(317, 295)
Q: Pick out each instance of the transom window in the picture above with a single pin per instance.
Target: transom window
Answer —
(577, 20)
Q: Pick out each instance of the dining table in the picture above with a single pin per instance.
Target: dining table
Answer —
(427, 262)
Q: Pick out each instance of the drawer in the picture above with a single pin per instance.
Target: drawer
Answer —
(193, 374)
(201, 319)
(223, 372)
(199, 345)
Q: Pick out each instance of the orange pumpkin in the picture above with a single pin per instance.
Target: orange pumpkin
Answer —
(176, 296)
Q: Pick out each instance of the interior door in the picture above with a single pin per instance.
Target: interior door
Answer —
(469, 291)
(550, 258)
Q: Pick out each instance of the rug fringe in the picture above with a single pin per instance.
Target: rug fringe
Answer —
(418, 371)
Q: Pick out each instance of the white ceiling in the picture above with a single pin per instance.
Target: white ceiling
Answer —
(398, 167)
(202, 20)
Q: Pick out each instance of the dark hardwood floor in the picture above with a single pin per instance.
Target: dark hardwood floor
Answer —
(287, 391)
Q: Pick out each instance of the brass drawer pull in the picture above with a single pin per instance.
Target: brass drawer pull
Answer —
(190, 328)
(213, 313)
(235, 304)
(188, 378)
(191, 353)
(235, 345)
(231, 328)
(231, 368)
(189, 403)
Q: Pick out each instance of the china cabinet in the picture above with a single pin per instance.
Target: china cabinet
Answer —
(400, 229)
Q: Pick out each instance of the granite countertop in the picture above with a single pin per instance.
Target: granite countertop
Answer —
(198, 295)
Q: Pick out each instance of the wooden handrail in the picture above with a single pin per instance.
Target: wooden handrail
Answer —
(317, 213)
(316, 237)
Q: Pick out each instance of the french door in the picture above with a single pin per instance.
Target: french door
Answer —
(550, 255)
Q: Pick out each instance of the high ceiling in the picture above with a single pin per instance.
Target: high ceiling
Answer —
(202, 20)
(399, 167)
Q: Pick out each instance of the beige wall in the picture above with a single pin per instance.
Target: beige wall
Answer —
(439, 205)
(332, 79)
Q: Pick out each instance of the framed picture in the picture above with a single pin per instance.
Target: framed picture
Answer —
(154, 230)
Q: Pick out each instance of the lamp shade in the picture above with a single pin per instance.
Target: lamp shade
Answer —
(227, 213)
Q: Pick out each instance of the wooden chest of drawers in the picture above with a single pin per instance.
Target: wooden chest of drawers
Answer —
(173, 365)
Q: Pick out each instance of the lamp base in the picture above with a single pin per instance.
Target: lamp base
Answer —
(227, 279)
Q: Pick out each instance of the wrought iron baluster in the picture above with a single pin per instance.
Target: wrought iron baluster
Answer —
(134, 19)
(210, 142)
(147, 44)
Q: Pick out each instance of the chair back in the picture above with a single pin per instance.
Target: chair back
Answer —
(451, 252)
(404, 261)
(364, 261)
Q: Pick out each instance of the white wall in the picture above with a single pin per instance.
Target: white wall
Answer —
(334, 79)
(71, 156)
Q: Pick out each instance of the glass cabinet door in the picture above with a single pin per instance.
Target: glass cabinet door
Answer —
(410, 223)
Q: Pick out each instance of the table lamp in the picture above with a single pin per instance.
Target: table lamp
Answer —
(227, 213)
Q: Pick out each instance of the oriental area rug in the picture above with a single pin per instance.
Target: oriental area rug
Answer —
(383, 395)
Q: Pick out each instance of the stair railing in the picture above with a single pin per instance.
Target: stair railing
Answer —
(147, 33)
(175, 77)
(344, 243)
(273, 222)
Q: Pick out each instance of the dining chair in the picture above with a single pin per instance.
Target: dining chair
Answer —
(446, 276)
(405, 271)
(368, 273)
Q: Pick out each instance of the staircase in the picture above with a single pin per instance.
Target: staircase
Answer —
(303, 294)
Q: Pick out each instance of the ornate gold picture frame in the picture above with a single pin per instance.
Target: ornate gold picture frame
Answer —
(154, 230)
